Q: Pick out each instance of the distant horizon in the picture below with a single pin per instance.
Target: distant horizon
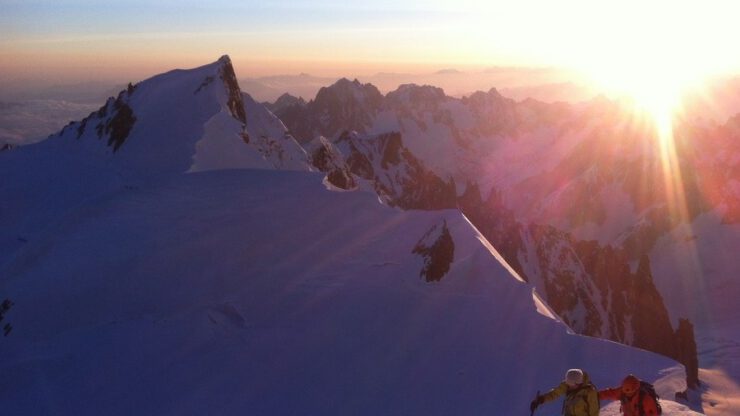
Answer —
(70, 41)
(248, 70)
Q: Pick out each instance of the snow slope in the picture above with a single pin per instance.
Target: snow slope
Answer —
(259, 292)
(587, 178)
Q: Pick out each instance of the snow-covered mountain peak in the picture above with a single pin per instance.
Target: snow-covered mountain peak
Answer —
(492, 97)
(228, 76)
(349, 92)
(344, 105)
(183, 120)
(416, 95)
(284, 101)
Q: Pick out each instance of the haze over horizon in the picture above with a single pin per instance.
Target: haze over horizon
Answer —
(70, 41)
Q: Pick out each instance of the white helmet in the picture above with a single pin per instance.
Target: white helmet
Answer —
(573, 377)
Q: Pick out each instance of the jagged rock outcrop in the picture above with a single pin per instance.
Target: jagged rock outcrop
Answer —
(437, 248)
(649, 317)
(327, 158)
(398, 177)
(5, 307)
(113, 121)
(234, 102)
(283, 102)
(404, 180)
(686, 352)
(346, 105)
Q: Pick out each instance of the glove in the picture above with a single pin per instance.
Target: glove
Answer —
(536, 402)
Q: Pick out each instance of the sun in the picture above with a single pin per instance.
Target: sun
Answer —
(652, 73)
(652, 52)
(654, 87)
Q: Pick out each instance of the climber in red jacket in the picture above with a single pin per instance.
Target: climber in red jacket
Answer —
(638, 398)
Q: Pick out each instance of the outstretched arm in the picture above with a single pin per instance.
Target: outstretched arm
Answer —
(555, 393)
(610, 394)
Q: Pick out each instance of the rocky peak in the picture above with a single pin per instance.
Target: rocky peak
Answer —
(284, 101)
(417, 95)
(479, 100)
(325, 157)
(113, 121)
(234, 94)
(495, 114)
(345, 105)
(349, 93)
(437, 248)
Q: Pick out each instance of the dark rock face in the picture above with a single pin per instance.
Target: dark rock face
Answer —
(346, 105)
(395, 173)
(235, 104)
(298, 121)
(568, 288)
(649, 317)
(398, 176)
(438, 250)
(405, 179)
(5, 307)
(283, 102)
(686, 353)
(120, 125)
(327, 158)
(608, 268)
(113, 121)
(206, 82)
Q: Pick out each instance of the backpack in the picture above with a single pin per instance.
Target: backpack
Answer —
(646, 389)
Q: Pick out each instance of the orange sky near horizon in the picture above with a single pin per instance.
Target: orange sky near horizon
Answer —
(68, 41)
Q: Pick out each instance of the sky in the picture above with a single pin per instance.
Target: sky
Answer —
(66, 41)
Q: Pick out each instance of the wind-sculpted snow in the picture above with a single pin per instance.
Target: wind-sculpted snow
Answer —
(211, 292)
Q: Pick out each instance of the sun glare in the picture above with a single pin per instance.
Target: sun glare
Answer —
(653, 75)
